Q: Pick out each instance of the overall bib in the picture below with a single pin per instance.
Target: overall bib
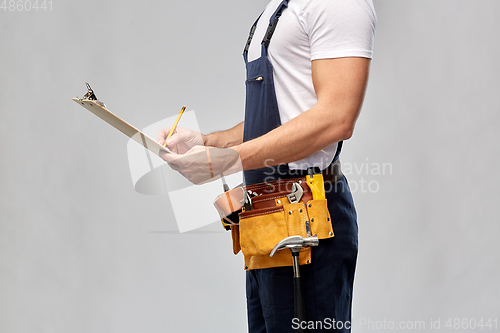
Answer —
(328, 280)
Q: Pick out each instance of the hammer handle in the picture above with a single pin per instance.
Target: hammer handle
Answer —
(299, 303)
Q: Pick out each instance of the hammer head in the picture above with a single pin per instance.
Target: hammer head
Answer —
(295, 243)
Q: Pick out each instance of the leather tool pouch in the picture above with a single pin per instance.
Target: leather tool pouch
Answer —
(273, 218)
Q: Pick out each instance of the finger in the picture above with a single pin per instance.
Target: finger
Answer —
(205, 180)
(172, 158)
(177, 168)
(177, 137)
(163, 155)
(162, 134)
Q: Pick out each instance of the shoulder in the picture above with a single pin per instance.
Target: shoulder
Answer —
(345, 14)
(337, 8)
(333, 3)
(339, 28)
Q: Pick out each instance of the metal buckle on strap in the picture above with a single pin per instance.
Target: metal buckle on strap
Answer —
(249, 40)
(270, 32)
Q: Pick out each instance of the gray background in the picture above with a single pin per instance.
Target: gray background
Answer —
(81, 251)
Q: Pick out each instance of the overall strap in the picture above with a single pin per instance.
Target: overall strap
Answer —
(250, 37)
(273, 22)
(337, 152)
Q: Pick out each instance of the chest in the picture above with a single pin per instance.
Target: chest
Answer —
(290, 39)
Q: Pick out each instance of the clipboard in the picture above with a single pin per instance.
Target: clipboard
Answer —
(90, 102)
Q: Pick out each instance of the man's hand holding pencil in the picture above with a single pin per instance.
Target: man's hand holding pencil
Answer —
(192, 159)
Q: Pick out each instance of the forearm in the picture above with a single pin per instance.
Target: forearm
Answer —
(225, 139)
(304, 135)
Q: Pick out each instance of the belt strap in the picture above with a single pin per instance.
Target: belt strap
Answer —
(231, 202)
(333, 172)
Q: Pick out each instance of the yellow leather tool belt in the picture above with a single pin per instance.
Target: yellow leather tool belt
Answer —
(261, 215)
(274, 216)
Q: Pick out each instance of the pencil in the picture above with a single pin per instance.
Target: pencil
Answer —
(175, 125)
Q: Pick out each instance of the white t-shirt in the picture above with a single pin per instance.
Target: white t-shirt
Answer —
(309, 30)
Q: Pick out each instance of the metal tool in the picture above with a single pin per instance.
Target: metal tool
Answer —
(296, 193)
(224, 183)
(248, 202)
(295, 243)
(294, 197)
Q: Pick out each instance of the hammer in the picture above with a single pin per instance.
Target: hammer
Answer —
(295, 243)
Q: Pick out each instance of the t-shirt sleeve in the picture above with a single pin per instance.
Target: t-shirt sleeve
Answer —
(339, 28)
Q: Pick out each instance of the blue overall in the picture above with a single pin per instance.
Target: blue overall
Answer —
(328, 280)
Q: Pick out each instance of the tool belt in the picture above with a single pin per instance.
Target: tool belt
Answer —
(261, 215)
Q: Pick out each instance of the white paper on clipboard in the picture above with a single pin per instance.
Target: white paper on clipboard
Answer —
(121, 125)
